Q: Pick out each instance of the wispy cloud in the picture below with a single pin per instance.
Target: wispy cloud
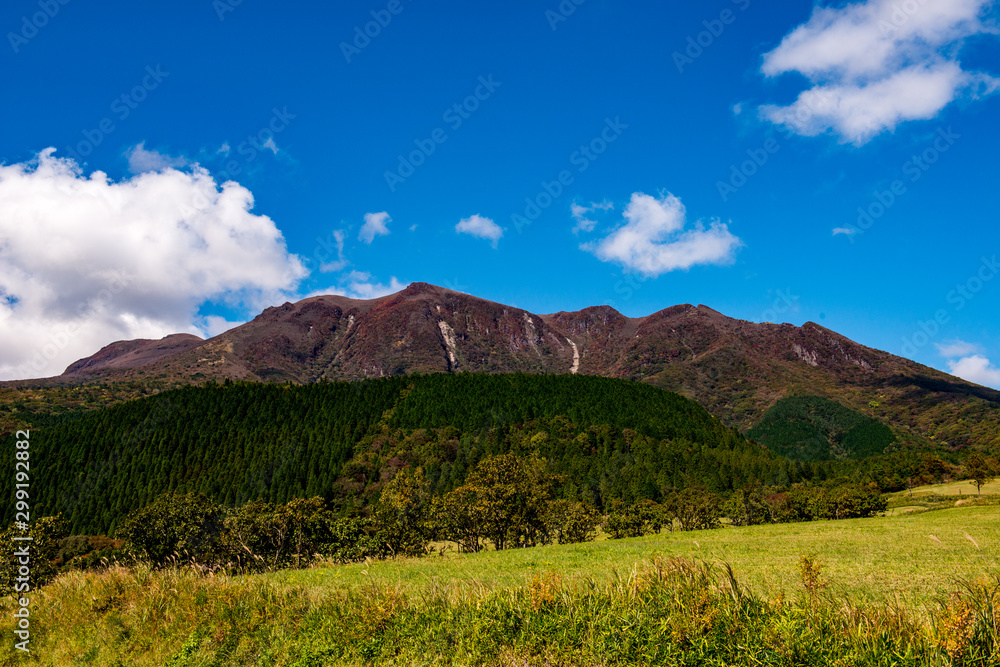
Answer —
(376, 224)
(141, 160)
(956, 348)
(359, 285)
(848, 231)
(875, 64)
(580, 213)
(653, 240)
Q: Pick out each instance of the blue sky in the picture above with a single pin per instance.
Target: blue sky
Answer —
(833, 163)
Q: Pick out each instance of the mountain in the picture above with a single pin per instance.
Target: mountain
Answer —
(736, 369)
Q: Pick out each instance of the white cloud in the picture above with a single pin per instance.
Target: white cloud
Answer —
(376, 224)
(480, 227)
(85, 261)
(976, 368)
(848, 231)
(270, 145)
(141, 160)
(583, 222)
(341, 262)
(956, 348)
(359, 285)
(653, 239)
(875, 64)
(213, 325)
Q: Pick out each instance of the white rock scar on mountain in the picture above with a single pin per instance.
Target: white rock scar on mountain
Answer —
(576, 357)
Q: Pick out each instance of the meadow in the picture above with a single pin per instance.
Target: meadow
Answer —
(915, 589)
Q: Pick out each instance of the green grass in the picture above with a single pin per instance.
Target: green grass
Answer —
(653, 600)
(878, 559)
(962, 488)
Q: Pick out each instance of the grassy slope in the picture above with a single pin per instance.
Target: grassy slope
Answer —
(874, 559)
(476, 609)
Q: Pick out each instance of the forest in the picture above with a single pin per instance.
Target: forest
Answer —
(236, 442)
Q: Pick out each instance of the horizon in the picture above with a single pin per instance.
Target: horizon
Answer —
(179, 169)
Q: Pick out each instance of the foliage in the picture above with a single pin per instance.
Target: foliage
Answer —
(238, 442)
(636, 520)
(695, 509)
(979, 470)
(812, 428)
(402, 514)
(508, 495)
(571, 521)
(42, 563)
(175, 528)
(747, 507)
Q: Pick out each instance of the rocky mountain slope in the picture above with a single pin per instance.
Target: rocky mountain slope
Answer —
(737, 369)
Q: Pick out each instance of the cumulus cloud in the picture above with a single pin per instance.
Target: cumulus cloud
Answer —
(653, 240)
(873, 65)
(580, 213)
(956, 348)
(976, 368)
(359, 285)
(847, 231)
(141, 160)
(480, 227)
(85, 261)
(376, 224)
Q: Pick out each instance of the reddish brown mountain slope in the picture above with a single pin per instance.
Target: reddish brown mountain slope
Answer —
(736, 369)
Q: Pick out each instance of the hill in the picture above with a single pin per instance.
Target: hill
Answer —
(240, 441)
(810, 428)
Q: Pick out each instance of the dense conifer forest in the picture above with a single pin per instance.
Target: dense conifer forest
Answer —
(604, 439)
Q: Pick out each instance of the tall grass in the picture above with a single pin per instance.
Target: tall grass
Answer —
(667, 611)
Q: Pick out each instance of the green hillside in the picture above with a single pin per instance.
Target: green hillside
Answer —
(610, 439)
(812, 428)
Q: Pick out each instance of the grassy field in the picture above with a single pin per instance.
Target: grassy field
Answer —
(652, 600)
(905, 558)
(964, 488)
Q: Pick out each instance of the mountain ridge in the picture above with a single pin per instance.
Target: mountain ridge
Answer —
(735, 368)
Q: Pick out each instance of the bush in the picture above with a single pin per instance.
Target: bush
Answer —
(636, 520)
(568, 522)
(695, 509)
(187, 527)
